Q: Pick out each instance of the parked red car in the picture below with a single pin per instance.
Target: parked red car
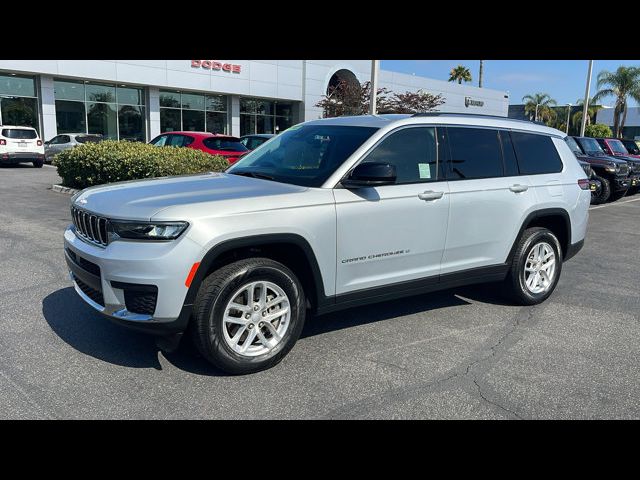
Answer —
(613, 146)
(229, 147)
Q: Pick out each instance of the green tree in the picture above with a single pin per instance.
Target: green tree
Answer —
(622, 84)
(592, 110)
(597, 130)
(538, 106)
(460, 74)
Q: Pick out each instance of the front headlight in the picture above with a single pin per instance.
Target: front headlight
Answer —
(612, 168)
(147, 230)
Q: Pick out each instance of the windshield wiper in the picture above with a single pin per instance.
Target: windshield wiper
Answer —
(253, 174)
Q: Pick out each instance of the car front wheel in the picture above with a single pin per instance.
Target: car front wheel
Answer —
(248, 315)
(602, 191)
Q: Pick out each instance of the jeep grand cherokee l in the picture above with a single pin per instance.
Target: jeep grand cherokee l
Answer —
(615, 148)
(330, 214)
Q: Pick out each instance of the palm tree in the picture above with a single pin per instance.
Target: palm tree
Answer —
(539, 106)
(621, 84)
(592, 110)
(481, 75)
(460, 74)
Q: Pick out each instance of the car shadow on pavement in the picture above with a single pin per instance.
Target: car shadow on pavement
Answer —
(376, 312)
(92, 334)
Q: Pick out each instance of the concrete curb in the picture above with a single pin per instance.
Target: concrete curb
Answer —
(65, 190)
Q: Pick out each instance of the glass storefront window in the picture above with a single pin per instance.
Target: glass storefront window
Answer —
(192, 112)
(263, 116)
(282, 123)
(192, 120)
(216, 103)
(19, 111)
(131, 123)
(70, 117)
(192, 102)
(100, 93)
(113, 111)
(247, 124)
(169, 99)
(264, 124)
(170, 120)
(216, 122)
(102, 119)
(130, 96)
(17, 85)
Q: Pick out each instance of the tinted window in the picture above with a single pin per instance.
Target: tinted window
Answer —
(631, 147)
(255, 142)
(231, 144)
(536, 153)
(573, 145)
(64, 139)
(303, 155)
(590, 145)
(617, 147)
(88, 139)
(412, 151)
(509, 155)
(19, 133)
(475, 153)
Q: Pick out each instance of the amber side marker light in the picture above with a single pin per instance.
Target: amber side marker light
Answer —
(192, 273)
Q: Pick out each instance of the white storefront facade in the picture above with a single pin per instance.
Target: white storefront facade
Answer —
(139, 99)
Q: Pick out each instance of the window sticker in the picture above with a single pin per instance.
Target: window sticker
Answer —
(424, 170)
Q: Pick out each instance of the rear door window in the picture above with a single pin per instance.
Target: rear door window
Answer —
(89, 138)
(536, 154)
(226, 144)
(19, 133)
(474, 153)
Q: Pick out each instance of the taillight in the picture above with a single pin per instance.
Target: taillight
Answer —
(3, 141)
(583, 183)
(39, 143)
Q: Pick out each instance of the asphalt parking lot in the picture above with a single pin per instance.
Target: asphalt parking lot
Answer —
(460, 353)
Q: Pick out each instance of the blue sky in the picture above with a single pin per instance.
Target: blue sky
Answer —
(564, 80)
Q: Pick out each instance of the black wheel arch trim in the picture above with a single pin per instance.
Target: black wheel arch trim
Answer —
(544, 212)
(256, 241)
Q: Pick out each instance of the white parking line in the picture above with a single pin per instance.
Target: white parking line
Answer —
(614, 204)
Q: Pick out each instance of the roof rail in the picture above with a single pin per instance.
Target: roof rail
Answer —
(475, 115)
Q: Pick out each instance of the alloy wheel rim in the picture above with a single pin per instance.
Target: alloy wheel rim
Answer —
(540, 268)
(256, 318)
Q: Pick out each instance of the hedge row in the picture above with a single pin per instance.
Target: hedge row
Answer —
(111, 161)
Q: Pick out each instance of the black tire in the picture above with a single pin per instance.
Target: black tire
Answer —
(514, 283)
(618, 194)
(212, 298)
(602, 194)
(38, 163)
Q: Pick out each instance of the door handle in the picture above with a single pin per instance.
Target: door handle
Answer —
(519, 188)
(430, 195)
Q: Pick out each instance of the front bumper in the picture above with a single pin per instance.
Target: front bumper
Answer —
(634, 180)
(103, 278)
(621, 183)
(17, 157)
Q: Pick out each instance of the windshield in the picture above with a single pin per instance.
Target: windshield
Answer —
(591, 145)
(303, 155)
(618, 147)
(631, 147)
(573, 146)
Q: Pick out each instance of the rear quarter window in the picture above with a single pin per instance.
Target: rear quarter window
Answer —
(19, 133)
(88, 139)
(536, 154)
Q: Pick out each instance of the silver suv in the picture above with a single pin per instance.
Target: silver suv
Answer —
(330, 214)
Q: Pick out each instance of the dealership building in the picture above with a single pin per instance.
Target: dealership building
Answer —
(631, 127)
(139, 99)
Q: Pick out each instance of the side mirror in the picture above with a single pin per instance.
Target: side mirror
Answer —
(371, 174)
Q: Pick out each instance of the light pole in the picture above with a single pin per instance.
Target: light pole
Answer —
(586, 99)
(374, 86)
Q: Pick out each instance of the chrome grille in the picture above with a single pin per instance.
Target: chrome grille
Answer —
(89, 226)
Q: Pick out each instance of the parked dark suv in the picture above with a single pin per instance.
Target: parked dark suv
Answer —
(611, 173)
(632, 146)
(615, 148)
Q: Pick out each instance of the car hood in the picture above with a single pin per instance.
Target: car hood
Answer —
(142, 199)
(601, 159)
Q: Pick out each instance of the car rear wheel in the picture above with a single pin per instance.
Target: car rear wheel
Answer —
(535, 267)
(602, 191)
(38, 163)
(248, 315)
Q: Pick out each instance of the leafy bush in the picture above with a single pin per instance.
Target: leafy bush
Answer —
(111, 161)
(597, 130)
